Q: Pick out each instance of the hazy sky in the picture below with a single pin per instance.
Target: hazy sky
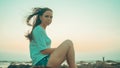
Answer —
(92, 25)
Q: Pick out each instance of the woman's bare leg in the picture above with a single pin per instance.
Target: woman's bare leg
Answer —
(64, 51)
(71, 57)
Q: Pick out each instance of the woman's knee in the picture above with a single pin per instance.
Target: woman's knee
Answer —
(69, 42)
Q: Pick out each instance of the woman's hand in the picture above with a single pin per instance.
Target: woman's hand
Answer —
(48, 51)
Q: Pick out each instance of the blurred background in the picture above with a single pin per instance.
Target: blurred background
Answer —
(92, 25)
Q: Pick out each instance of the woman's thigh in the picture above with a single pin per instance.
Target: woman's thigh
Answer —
(59, 55)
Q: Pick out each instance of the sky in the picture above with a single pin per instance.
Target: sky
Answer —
(92, 25)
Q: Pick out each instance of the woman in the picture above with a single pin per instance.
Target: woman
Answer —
(40, 51)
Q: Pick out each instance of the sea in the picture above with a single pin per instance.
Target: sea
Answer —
(4, 64)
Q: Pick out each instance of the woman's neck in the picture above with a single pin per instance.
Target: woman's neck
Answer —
(43, 26)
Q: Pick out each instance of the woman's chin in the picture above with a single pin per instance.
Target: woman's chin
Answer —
(49, 23)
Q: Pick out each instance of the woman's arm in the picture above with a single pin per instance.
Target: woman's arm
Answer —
(48, 51)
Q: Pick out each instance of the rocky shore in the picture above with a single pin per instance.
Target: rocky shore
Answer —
(81, 64)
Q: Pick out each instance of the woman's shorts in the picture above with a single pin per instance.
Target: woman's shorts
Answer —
(43, 62)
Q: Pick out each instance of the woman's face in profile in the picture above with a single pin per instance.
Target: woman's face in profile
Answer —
(46, 18)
